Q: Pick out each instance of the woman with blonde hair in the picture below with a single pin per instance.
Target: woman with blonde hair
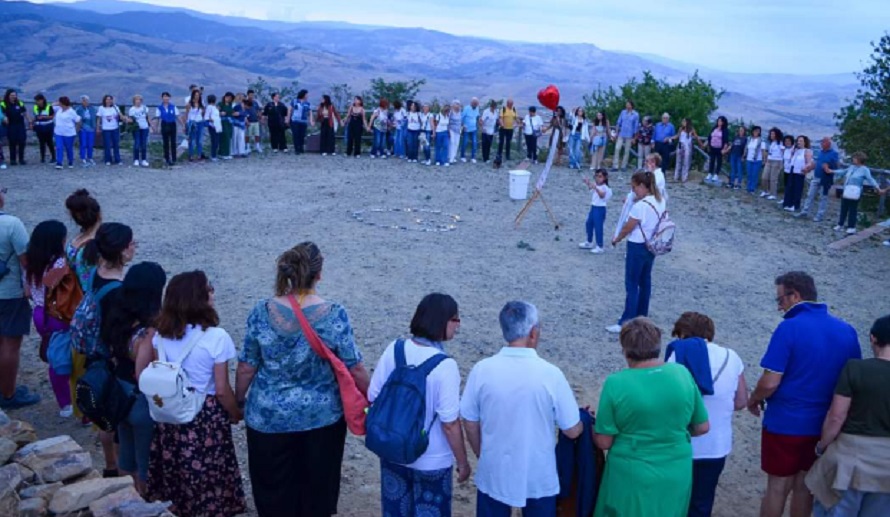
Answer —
(138, 113)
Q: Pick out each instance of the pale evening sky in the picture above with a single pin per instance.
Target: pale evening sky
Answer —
(757, 36)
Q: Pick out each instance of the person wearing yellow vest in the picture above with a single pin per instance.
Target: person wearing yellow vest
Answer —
(507, 120)
(43, 126)
(15, 120)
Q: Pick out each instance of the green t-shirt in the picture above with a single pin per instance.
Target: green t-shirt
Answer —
(865, 381)
(13, 243)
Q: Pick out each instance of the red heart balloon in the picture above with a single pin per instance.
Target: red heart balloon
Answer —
(549, 97)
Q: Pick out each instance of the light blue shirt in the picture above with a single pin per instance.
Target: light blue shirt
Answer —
(13, 244)
(857, 175)
(628, 123)
(87, 117)
(470, 118)
(663, 131)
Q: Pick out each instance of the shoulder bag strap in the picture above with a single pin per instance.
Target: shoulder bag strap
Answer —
(723, 367)
(399, 354)
(311, 336)
(640, 223)
(188, 349)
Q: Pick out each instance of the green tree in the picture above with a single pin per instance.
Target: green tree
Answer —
(264, 89)
(391, 91)
(694, 98)
(341, 96)
(864, 124)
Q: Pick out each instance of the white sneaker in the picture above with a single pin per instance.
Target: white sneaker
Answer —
(145, 163)
(2, 166)
(447, 164)
(473, 160)
(597, 250)
(333, 154)
(324, 154)
(135, 163)
(66, 412)
(763, 194)
(779, 201)
(838, 228)
(886, 243)
(463, 160)
(789, 209)
(428, 162)
(614, 329)
(770, 197)
(586, 245)
(851, 231)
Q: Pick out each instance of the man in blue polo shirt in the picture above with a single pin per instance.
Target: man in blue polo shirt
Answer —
(470, 124)
(663, 131)
(300, 116)
(801, 367)
(821, 181)
(627, 126)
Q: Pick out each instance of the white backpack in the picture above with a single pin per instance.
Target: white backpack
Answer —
(171, 397)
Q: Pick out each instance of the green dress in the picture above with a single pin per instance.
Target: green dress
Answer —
(649, 467)
(225, 141)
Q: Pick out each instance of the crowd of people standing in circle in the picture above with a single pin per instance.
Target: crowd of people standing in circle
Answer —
(665, 421)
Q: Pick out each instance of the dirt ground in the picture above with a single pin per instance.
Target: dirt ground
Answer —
(233, 219)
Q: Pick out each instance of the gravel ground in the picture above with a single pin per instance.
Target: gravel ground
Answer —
(233, 219)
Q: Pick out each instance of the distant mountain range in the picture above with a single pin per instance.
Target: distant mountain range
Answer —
(99, 46)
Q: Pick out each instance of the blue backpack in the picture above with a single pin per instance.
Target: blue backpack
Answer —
(395, 423)
(87, 322)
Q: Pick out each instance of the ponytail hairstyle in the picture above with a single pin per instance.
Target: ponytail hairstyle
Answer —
(84, 209)
(646, 179)
(47, 244)
(298, 269)
(111, 240)
(605, 175)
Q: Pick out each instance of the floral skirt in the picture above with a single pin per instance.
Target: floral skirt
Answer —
(194, 465)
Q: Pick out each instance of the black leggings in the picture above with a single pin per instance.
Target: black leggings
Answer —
(168, 135)
(849, 211)
(487, 140)
(356, 131)
(327, 144)
(296, 474)
(715, 164)
(278, 138)
(45, 137)
(17, 137)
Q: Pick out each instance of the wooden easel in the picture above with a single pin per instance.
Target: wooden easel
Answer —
(528, 204)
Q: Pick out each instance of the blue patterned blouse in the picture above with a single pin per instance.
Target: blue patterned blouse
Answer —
(294, 389)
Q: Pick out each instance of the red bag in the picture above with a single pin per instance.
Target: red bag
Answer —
(355, 403)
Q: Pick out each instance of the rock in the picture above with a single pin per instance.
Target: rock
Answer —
(92, 474)
(60, 467)
(142, 509)
(79, 495)
(10, 479)
(3, 418)
(25, 473)
(105, 506)
(50, 446)
(7, 449)
(32, 508)
(40, 491)
(20, 432)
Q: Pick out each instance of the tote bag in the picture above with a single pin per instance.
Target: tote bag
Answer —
(355, 403)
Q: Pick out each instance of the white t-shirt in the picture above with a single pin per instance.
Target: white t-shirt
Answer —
(786, 158)
(661, 183)
(195, 114)
(596, 200)
(441, 123)
(518, 400)
(140, 115)
(211, 115)
(398, 116)
(648, 211)
(775, 151)
(426, 121)
(754, 150)
(66, 121)
(532, 124)
(442, 399)
(717, 443)
(489, 119)
(414, 121)
(110, 117)
(215, 346)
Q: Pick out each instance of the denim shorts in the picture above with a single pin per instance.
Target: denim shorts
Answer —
(15, 317)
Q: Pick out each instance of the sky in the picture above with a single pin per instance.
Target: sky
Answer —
(753, 36)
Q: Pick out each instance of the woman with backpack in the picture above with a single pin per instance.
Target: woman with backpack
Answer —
(193, 464)
(425, 484)
(642, 223)
(296, 429)
(127, 330)
(45, 272)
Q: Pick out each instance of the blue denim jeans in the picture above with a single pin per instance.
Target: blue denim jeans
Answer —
(87, 142)
(854, 502)
(111, 142)
(595, 220)
(140, 144)
(471, 136)
(705, 474)
(442, 141)
(214, 141)
(753, 171)
(406, 492)
(196, 138)
(413, 142)
(399, 137)
(576, 155)
(298, 134)
(64, 144)
(637, 281)
(488, 507)
(135, 435)
(379, 143)
(736, 170)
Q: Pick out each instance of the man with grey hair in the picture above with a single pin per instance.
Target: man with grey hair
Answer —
(664, 131)
(470, 120)
(87, 134)
(511, 403)
(822, 180)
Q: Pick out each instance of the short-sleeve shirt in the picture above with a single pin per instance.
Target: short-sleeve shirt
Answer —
(829, 157)
(168, 113)
(865, 382)
(489, 121)
(755, 150)
(644, 134)
(140, 114)
(775, 151)
(809, 349)
(88, 117)
(470, 118)
(214, 347)
(518, 399)
(648, 211)
(275, 113)
(110, 117)
(442, 399)
(509, 116)
(294, 388)
(739, 143)
(717, 137)
(13, 243)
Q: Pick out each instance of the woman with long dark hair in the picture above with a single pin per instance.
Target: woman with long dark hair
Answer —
(109, 121)
(43, 126)
(127, 330)
(194, 464)
(16, 121)
(685, 137)
(295, 427)
(718, 145)
(45, 270)
(775, 159)
(194, 127)
(599, 137)
(328, 119)
(357, 123)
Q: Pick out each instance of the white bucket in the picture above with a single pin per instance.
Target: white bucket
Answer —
(519, 184)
